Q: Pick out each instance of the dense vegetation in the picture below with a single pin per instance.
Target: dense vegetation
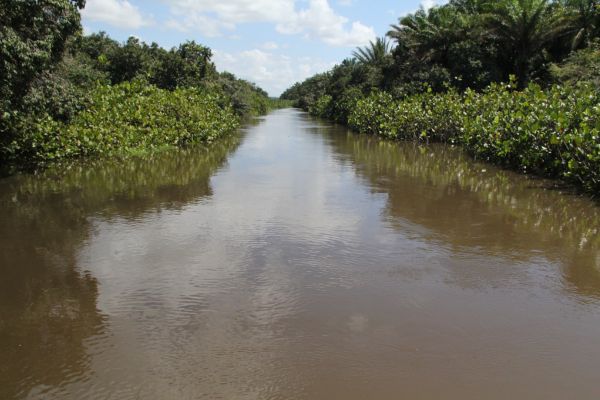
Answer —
(514, 81)
(66, 95)
(126, 118)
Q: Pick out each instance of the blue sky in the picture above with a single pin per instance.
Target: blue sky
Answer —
(271, 42)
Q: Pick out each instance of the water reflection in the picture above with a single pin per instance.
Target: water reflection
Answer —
(306, 264)
(48, 300)
(479, 208)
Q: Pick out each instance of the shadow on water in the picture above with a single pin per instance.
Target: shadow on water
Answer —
(48, 304)
(476, 207)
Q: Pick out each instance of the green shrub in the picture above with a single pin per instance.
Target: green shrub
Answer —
(375, 115)
(336, 109)
(580, 66)
(276, 104)
(245, 97)
(424, 116)
(124, 118)
(322, 107)
(345, 104)
(554, 132)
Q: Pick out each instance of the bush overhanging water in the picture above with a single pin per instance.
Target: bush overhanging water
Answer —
(553, 132)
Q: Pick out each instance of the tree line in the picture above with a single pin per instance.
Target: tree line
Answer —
(53, 78)
(467, 44)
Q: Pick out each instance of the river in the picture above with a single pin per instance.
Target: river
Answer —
(296, 260)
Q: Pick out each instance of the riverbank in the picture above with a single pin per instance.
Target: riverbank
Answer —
(91, 96)
(125, 119)
(513, 82)
(552, 132)
(132, 118)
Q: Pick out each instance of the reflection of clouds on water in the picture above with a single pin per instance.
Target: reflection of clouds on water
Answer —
(358, 323)
(241, 261)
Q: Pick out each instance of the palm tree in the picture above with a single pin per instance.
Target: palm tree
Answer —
(430, 33)
(472, 7)
(375, 53)
(523, 29)
(584, 18)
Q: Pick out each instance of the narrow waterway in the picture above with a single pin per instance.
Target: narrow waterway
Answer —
(297, 260)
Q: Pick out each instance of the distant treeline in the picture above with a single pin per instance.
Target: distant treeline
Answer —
(514, 81)
(63, 94)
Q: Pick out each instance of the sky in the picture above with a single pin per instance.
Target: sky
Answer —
(273, 43)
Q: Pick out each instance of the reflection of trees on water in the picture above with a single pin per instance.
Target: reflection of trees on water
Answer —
(47, 302)
(473, 205)
(130, 186)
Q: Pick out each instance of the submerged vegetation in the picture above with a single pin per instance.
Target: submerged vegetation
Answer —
(65, 95)
(513, 81)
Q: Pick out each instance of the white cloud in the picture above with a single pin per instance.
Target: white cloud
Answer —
(320, 20)
(119, 13)
(272, 72)
(270, 46)
(317, 20)
(207, 26)
(427, 4)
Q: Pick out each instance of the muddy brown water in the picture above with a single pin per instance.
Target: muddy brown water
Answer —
(297, 261)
